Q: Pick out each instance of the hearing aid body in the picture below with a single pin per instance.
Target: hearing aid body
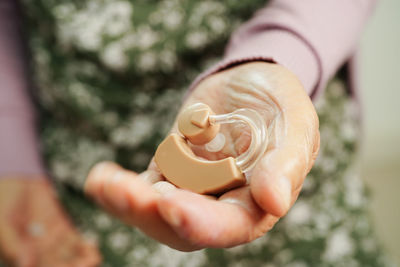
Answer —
(181, 167)
(199, 125)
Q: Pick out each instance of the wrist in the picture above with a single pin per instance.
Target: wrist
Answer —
(272, 46)
(283, 47)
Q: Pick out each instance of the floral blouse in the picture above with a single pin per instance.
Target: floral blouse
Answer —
(109, 78)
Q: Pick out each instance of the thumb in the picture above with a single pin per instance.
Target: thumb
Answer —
(278, 177)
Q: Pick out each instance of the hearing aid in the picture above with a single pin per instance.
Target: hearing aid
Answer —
(199, 125)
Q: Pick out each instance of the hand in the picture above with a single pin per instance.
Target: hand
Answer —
(188, 221)
(35, 231)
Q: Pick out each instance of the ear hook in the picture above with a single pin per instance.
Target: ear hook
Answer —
(259, 137)
(199, 125)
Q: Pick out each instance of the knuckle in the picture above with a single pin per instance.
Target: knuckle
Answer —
(265, 226)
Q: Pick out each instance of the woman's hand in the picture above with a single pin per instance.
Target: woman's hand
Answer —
(188, 221)
(35, 231)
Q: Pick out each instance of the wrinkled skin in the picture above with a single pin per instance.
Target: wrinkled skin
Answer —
(35, 231)
(188, 221)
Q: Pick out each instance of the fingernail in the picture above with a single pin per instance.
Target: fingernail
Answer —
(284, 189)
(163, 187)
(150, 176)
(99, 168)
(117, 199)
(95, 175)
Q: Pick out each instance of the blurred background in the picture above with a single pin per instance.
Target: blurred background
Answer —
(380, 73)
(81, 80)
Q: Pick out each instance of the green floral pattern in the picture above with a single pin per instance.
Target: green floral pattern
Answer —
(110, 77)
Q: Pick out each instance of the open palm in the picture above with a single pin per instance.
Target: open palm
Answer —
(188, 221)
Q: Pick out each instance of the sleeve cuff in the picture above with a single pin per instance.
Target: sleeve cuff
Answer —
(280, 46)
(19, 148)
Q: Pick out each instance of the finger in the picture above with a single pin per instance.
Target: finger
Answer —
(94, 184)
(133, 201)
(114, 187)
(283, 168)
(209, 223)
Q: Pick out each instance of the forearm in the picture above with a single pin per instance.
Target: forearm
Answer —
(19, 151)
(312, 38)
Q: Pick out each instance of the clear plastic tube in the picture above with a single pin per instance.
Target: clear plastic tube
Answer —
(259, 135)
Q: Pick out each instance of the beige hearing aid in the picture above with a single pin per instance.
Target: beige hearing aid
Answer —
(200, 126)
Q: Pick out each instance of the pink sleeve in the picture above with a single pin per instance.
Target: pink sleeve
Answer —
(312, 38)
(19, 152)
